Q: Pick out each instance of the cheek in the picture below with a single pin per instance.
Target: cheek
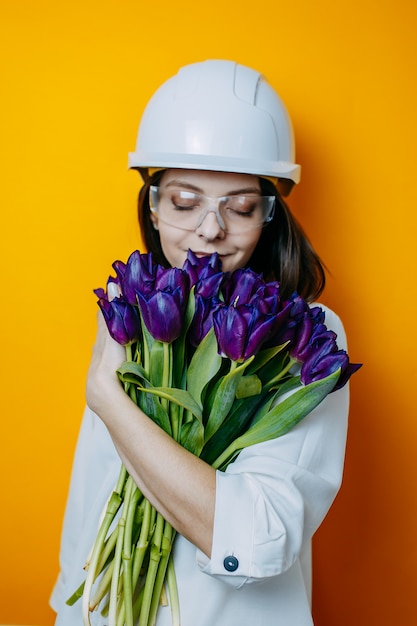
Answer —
(248, 244)
(171, 243)
(244, 249)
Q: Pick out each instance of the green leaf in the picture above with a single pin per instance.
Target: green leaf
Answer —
(132, 372)
(147, 341)
(286, 386)
(225, 395)
(265, 356)
(284, 416)
(157, 364)
(281, 418)
(272, 373)
(178, 396)
(248, 386)
(235, 423)
(180, 345)
(204, 365)
(192, 436)
(152, 407)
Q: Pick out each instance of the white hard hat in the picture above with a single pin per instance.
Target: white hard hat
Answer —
(219, 116)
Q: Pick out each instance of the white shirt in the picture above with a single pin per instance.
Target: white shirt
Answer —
(269, 502)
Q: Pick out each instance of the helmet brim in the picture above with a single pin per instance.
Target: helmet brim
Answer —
(278, 169)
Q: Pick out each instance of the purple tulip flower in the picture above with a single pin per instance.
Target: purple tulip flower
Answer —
(209, 287)
(324, 365)
(101, 293)
(139, 274)
(267, 298)
(206, 275)
(169, 279)
(200, 268)
(241, 330)
(203, 317)
(242, 285)
(122, 320)
(247, 287)
(162, 313)
(120, 269)
(163, 307)
(206, 299)
(313, 344)
(348, 369)
(300, 321)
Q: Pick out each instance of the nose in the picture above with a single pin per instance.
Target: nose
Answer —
(211, 226)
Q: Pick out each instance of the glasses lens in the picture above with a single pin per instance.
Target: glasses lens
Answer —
(186, 209)
(246, 212)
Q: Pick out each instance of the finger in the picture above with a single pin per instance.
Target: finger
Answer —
(113, 290)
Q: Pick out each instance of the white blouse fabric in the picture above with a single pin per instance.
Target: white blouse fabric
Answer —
(269, 503)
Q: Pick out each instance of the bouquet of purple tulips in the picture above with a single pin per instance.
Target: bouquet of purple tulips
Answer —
(219, 362)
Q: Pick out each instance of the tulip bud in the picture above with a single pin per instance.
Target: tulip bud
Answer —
(122, 320)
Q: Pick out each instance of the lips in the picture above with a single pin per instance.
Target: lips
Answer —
(201, 254)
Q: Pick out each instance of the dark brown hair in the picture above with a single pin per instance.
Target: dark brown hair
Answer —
(283, 252)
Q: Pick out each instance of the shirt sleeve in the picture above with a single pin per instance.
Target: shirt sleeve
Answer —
(271, 500)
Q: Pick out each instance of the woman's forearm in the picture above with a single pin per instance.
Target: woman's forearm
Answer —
(177, 483)
(180, 485)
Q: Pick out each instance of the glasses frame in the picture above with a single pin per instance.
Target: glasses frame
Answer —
(154, 191)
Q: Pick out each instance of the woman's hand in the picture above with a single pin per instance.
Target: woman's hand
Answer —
(106, 358)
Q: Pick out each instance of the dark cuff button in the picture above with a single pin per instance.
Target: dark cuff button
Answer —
(231, 563)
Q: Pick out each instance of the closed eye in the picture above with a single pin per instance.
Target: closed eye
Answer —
(239, 208)
(185, 201)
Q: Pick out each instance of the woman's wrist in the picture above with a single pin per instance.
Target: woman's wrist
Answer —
(103, 389)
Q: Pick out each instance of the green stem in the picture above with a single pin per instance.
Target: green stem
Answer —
(121, 480)
(175, 413)
(127, 557)
(128, 387)
(128, 349)
(78, 593)
(166, 546)
(137, 606)
(104, 585)
(108, 549)
(143, 541)
(146, 532)
(130, 488)
(166, 371)
(146, 351)
(155, 557)
(114, 587)
(282, 372)
(173, 592)
(92, 572)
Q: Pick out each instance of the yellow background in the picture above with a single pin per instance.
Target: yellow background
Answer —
(75, 77)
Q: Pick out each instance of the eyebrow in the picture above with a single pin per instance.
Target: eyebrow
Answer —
(176, 182)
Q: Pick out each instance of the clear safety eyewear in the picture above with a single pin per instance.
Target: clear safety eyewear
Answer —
(187, 210)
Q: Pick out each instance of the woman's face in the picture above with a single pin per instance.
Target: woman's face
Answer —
(234, 248)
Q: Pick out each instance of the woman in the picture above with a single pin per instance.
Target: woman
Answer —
(215, 150)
